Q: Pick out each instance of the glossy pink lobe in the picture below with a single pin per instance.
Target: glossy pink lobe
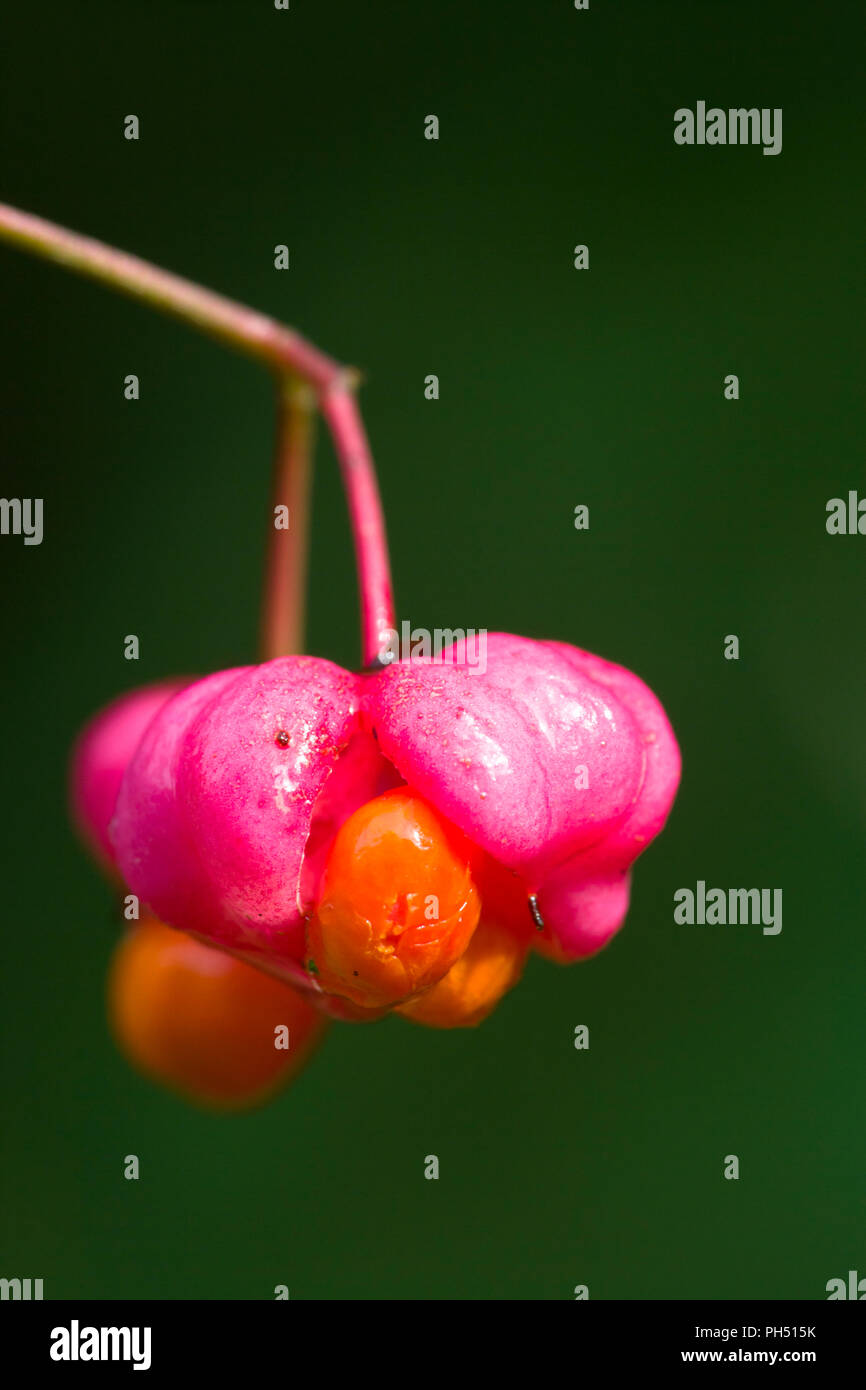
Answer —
(221, 800)
(561, 766)
(155, 852)
(585, 900)
(500, 752)
(100, 757)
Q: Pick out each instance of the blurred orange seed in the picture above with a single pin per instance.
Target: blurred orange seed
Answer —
(203, 1023)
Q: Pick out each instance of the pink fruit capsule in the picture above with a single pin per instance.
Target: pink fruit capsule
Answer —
(557, 766)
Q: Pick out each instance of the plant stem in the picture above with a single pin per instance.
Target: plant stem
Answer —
(340, 410)
(285, 581)
(222, 318)
(289, 355)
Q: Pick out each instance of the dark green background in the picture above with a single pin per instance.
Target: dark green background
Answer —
(558, 1167)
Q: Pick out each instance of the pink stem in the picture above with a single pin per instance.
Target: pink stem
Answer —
(340, 409)
(222, 318)
(284, 350)
(285, 581)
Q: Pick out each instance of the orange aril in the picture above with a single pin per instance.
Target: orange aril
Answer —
(397, 905)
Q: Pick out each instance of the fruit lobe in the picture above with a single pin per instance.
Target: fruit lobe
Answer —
(100, 757)
(558, 765)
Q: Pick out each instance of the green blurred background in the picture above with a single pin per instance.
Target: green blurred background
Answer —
(558, 387)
